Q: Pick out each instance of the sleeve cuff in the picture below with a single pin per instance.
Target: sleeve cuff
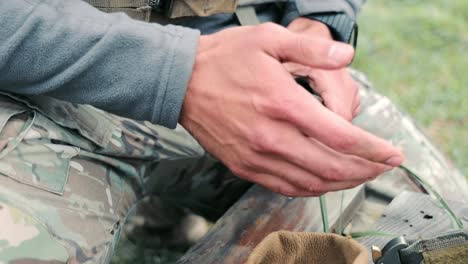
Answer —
(342, 27)
(171, 96)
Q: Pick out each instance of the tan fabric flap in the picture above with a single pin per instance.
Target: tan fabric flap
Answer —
(142, 14)
(90, 122)
(181, 8)
(285, 247)
(136, 9)
(256, 2)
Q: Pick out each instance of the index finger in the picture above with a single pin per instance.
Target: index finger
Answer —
(332, 130)
(314, 52)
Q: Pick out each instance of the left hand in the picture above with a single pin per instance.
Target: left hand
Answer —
(336, 87)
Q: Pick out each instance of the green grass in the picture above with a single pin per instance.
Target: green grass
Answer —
(416, 52)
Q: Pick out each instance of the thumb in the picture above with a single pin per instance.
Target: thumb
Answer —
(313, 51)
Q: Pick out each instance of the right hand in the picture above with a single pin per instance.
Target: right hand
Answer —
(246, 109)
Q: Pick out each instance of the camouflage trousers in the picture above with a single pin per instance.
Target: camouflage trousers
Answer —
(71, 174)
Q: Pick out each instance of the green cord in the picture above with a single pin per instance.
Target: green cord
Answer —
(434, 194)
(323, 209)
(340, 219)
(370, 233)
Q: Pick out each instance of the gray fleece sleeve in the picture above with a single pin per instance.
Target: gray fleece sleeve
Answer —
(71, 51)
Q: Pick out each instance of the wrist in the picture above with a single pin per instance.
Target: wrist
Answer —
(205, 43)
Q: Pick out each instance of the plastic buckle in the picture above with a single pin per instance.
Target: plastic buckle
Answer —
(391, 251)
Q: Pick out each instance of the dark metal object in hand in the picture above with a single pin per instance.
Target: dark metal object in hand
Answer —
(304, 82)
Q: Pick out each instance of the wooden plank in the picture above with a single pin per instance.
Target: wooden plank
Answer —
(260, 212)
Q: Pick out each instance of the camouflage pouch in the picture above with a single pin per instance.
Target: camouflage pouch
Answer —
(89, 122)
(136, 9)
(202, 8)
(103, 136)
(43, 165)
(141, 9)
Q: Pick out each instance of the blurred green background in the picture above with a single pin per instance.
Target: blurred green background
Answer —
(416, 52)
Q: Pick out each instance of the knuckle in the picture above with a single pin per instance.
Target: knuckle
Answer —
(265, 140)
(335, 172)
(286, 108)
(344, 142)
(267, 30)
(268, 143)
(240, 171)
(276, 105)
(269, 27)
(251, 162)
(315, 187)
(286, 190)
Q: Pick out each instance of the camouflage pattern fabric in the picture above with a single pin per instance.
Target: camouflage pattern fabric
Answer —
(71, 174)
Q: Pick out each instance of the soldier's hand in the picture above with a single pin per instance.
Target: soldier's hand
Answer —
(247, 110)
(338, 90)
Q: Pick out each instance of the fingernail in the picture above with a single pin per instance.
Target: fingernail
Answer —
(340, 53)
(394, 161)
(388, 168)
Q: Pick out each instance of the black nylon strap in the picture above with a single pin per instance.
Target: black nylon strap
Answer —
(342, 26)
